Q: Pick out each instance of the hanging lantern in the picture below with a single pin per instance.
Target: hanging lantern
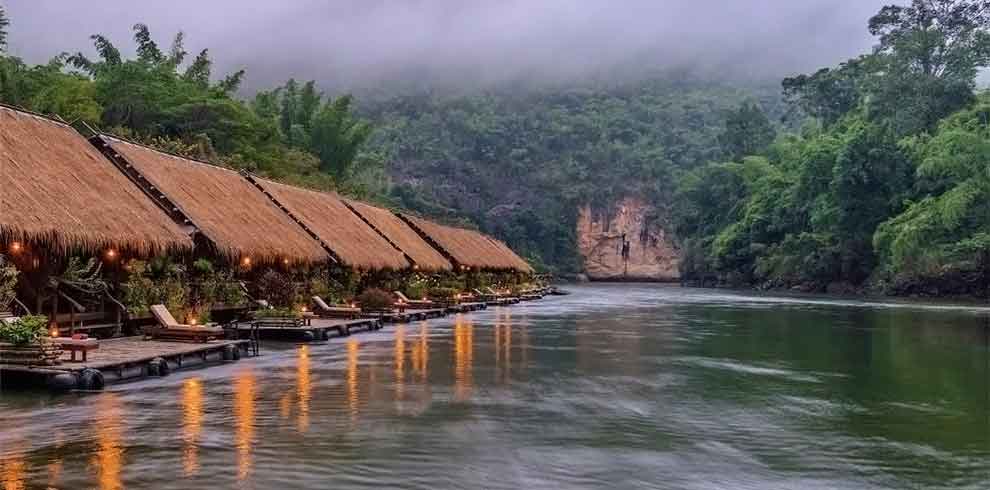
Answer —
(111, 254)
(16, 247)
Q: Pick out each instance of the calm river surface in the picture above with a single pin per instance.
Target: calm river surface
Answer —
(615, 386)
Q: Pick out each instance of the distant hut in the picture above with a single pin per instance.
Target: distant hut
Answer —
(59, 197)
(468, 249)
(352, 242)
(424, 257)
(234, 219)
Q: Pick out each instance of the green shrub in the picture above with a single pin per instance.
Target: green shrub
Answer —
(443, 293)
(25, 330)
(8, 284)
(277, 288)
(375, 299)
(276, 313)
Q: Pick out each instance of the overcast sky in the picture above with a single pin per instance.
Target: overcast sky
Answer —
(355, 43)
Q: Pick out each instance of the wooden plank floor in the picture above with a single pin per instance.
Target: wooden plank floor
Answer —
(129, 351)
(319, 328)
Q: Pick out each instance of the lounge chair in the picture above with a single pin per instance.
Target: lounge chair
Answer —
(508, 298)
(323, 310)
(169, 329)
(414, 304)
(492, 299)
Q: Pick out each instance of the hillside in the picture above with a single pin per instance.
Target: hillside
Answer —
(521, 163)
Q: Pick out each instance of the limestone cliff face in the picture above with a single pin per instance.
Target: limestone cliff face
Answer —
(626, 242)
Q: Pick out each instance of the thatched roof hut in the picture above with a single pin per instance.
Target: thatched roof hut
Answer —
(351, 240)
(512, 256)
(424, 256)
(239, 221)
(467, 248)
(58, 191)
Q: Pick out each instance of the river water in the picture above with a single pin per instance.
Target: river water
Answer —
(615, 386)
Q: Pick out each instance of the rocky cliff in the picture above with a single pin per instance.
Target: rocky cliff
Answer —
(626, 242)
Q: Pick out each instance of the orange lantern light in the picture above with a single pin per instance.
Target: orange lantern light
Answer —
(16, 247)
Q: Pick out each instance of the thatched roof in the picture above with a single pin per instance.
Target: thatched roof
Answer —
(512, 256)
(229, 211)
(401, 235)
(345, 233)
(57, 190)
(467, 247)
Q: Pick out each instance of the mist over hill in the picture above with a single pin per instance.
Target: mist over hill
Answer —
(359, 44)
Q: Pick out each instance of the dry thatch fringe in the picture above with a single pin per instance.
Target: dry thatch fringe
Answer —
(466, 247)
(60, 193)
(510, 255)
(346, 234)
(426, 257)
(231, 212)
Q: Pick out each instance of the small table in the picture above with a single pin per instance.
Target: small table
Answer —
(78, 345)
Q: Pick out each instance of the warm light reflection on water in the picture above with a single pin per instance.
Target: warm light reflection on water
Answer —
(352, 378)
(56, 463)
(13, 470)
(245, 390)
(303, 388)
(503, 345)
(421, 353)
(192, 424)
(108, 461)
(399, 360)
(463, 358)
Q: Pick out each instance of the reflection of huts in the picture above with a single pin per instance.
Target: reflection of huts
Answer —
(234, 219)
(468, 249)
(424, 257)
(351, 240)
(59, 197)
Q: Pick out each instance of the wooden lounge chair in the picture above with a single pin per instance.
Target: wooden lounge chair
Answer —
(414, 304)
(169, 329)
(323, 310)
(508, 298)
(490, 298)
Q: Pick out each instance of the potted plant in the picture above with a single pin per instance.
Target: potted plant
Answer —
(26, 341)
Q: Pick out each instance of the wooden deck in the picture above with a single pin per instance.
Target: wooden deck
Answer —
(466, 307)
(317, 329)
(124, 359)
(407, 316)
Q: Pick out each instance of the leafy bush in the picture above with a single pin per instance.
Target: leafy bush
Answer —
(146, 286)
(276, 313)
(277, 288)
(25, 330)
(442, 293)
(8, 284)
(375, 299)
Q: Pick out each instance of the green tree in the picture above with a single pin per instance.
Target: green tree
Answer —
(747, 132)
(337, 137)
(4, 23)
(927, 60)
(944, 235)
